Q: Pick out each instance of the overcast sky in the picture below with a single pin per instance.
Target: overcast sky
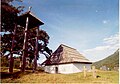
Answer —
(90, 26)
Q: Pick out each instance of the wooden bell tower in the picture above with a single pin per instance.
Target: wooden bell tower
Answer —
(29, 21)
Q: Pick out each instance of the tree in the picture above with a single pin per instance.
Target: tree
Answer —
(9, 18)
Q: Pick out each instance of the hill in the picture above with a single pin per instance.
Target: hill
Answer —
(111, 61)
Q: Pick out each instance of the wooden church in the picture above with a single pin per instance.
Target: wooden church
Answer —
(66, 60)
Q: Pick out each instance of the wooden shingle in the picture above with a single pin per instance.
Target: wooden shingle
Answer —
(65, 54)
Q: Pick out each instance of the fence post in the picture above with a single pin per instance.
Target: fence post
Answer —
(94, 71)
(84, 71)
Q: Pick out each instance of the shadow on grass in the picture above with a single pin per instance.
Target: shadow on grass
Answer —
(17, 74)
(14, 75)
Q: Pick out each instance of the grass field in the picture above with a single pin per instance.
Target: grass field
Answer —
(103, 77)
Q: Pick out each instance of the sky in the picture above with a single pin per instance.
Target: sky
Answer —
(90, 26)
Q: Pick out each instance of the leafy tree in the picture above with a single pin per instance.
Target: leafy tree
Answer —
(9, 18)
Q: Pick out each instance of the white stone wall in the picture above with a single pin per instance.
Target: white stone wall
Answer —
(67, 68)
(50, 69)
(62, 68)
(79, 67)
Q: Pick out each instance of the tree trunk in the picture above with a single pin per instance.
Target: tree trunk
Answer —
(36, 50)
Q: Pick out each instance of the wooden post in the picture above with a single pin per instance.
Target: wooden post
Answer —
(84, 71)
(94, 71)
(11, 63)
(20, 62)
(36, 50)
(25, 47)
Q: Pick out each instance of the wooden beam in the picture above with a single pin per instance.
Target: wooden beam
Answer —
(84, 71)
(11, 63)
(94, 71)
(25, 47)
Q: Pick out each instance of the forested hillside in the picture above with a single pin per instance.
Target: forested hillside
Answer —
(111, 61)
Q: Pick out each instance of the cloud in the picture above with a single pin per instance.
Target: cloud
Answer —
(112, 39)
(110, 44)
(99, 48)
(105, 21)
(96, 11)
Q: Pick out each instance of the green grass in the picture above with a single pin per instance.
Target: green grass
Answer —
(104, 77)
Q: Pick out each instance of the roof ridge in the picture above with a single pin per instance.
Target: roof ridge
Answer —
(67, 46)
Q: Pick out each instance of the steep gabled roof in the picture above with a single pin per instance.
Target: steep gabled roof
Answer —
(66, 54)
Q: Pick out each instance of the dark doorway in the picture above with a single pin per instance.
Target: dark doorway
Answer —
(56, 69)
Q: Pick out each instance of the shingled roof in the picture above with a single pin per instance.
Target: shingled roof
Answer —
(65, 54)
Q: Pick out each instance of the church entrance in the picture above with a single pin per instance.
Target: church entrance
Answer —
(56, 69)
